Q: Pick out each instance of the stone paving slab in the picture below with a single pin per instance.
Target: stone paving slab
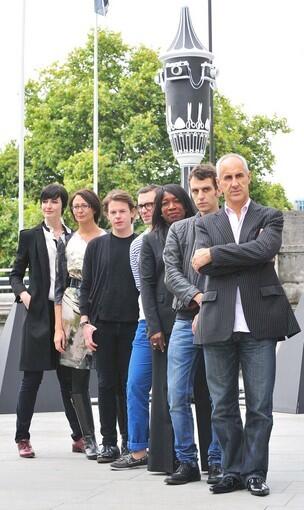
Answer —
(58, 479)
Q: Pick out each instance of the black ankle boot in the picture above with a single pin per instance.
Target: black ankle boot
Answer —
(91, 447)
(83, 408)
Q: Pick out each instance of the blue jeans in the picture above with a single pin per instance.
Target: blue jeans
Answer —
(183, 359)
(138, 389)
(245, 449)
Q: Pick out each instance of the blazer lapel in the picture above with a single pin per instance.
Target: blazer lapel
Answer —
(43, 257)
(249, 220)
(222, 222)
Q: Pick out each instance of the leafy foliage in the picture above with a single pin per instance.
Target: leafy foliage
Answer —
(134, 148)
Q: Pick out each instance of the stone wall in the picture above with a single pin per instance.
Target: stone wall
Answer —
(290, 261)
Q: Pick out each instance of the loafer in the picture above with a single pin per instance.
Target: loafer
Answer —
(25, 449)
(185, 473)
(108, 454)
(227, 484)
(215, 474)
(78, 446)
(257, 486)
(129, 462)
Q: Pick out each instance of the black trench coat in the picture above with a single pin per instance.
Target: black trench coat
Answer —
(37, 348)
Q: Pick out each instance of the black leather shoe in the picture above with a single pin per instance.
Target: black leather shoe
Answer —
(91, 448)
(185, 473)
(108, 453)
(227, 484)
(215, 474)
(257, 486)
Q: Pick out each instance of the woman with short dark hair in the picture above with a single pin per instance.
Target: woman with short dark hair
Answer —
(36, 252)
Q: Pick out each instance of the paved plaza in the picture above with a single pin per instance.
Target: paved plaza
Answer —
(60, 479)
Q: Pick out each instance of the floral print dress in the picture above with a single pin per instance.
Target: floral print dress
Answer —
(76, 354)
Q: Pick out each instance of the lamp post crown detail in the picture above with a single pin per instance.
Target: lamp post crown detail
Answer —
(186, 78)
(186, 42)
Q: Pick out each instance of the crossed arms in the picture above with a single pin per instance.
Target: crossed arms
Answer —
(217, 260)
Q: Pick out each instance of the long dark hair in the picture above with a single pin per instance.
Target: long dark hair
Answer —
(158, 222)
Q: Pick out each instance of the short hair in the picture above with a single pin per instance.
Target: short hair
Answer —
(118, 195)
(231, 155)
(203, 172)
(146, 189)
(158, 221)
(91, 198)
(55, 191)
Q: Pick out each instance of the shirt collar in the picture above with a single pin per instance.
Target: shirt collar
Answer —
(48, 228)
(244, 209)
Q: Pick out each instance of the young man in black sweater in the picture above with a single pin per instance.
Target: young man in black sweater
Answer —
(109, 314)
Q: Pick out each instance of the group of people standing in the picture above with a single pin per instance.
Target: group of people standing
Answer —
(179, 309)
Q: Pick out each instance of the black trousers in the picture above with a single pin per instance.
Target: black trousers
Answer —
(203, 410)
(161, 443)
(27, 399)
(29, 389)
(114, 340)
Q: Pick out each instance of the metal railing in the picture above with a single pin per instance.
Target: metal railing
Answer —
(4, 280)
(6, 294)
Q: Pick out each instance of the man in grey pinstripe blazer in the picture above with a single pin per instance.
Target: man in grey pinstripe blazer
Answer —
(244, 313)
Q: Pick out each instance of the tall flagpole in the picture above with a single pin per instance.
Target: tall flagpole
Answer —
(21, 129)
(95, 114)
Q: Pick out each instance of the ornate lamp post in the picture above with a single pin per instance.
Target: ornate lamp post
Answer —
(186, 78)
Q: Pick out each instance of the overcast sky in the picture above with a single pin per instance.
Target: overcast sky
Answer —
(258, 47)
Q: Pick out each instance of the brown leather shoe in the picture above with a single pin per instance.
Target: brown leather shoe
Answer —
(25, 449)
(78, 446)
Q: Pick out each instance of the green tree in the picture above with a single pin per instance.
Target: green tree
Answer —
(8, 230)
(134, 147)
(234, 131)
(9, 171)
(132, 130)
(275, 196)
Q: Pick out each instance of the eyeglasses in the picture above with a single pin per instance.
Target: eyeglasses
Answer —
(80, 206)
(148, 206)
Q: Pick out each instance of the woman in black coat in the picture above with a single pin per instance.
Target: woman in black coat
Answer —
(37, 251)
(171, 204)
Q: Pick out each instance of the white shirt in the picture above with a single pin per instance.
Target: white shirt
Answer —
(236, 224)
(51, 246)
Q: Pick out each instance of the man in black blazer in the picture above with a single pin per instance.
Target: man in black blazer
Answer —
(244, 312)
(37, 251)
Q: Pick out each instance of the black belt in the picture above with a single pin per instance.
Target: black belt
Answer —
(74, 282)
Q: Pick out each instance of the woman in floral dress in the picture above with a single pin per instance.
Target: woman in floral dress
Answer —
(74, 356)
